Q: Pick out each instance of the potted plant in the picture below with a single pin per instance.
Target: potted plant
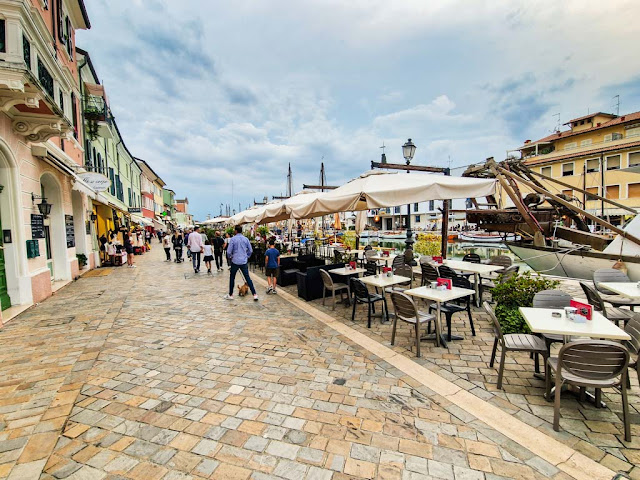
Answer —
(82, 260)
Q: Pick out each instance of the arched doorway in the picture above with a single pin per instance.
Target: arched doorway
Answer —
(79, 223)
(54, 227)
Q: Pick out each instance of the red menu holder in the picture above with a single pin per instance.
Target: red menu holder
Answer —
(583, 309)
(386, 269)
(352, 265)
(445, 281)
(437, 259)
(385, 253)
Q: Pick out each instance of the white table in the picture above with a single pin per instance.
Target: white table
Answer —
(540, 320)
(344, 271)
(382, 281)
(476, 268)
(383, 257)
(439, 296)
(626, 289)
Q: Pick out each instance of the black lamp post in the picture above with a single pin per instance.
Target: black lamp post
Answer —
(44, 207)
(408, 150)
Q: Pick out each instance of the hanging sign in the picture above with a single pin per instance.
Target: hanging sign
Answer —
(96, 181)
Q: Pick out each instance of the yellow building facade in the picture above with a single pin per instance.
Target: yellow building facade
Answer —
(594, 155)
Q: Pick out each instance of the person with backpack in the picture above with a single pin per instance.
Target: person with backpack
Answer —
(218, 247)
(177, 245)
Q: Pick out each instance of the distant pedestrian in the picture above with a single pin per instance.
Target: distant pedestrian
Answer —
(218, 247)
(128, 246)
(208, 255)
(186, 242)
(239, 251)
(299, 230)
(177, 245)
(195, 246)
(148, 236)
(271, 263)
(161, 236)
(227, 238)
(166, 244)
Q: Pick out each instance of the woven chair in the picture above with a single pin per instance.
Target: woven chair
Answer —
(616, 315)
(333, 287)
(429, 273)
(513, 342)
(633, 329)
(361, 294)
(406, 311)
(551, 299)
(472, 258)
(590, 363)
(613, 275)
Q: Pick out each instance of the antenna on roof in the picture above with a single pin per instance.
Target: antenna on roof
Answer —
(616, 104)
(557, 129)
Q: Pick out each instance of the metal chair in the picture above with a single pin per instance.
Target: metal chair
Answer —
(429, 273)
(449, 309)
(406, 310)
(613, 275)
(513, 342)
(330, 285)
(614, 314)
(590, 363)
(472, 258)
(551, 299)
(361, 294)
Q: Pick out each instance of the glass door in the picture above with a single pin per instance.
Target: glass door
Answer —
(5, 301)
(47, 243)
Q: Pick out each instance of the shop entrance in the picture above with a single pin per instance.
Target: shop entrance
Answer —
(5, 301)
(389, 223)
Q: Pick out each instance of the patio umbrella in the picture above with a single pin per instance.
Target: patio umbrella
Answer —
(361, 223)
(246, 216)
(276, 211)
(377, 189)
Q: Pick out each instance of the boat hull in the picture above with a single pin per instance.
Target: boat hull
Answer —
(469, 237)
(576, 264)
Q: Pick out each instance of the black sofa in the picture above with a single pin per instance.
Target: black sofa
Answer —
(310, 284)
(287, 271)
(305, 261)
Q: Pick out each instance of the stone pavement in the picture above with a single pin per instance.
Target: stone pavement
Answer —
(148, 373)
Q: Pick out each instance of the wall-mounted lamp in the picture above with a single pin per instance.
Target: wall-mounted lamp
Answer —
(94, 217)
(44, 207)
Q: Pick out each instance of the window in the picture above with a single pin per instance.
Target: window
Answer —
(567, 169)
(68, 31)
(634, 190)
(571, 145)
(74, 115)
(612, 137)
(45, 78)
(633, 132)
(417, 218)
(634, 159)
(61, 100)
(593, 165)
(26, 52)
(613, 191)
(112, 189)
(546, 171)
(415, 207)
(396, 210)
(432, 205)
(3, 37)
(129, 196)
(613, 163)
(59, 20)
(592, 191)
(584, 143)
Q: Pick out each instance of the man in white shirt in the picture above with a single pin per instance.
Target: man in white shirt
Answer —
(195, 246)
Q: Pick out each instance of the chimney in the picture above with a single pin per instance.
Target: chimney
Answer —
(598, 124)
(527, 141)
(384, 158)
(622, 118)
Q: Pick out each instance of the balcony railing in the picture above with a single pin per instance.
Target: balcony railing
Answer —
(95, 108)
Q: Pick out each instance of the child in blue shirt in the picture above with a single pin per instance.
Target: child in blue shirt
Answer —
(271, 263)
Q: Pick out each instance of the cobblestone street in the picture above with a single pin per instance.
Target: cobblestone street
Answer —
(148, 373)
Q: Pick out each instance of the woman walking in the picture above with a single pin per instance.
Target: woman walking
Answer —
(226, 245)
(208, 255)
(128, 246)
(177, 245)
(166, 244)
(218, 247)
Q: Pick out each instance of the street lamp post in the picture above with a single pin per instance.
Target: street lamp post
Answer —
(408, 150)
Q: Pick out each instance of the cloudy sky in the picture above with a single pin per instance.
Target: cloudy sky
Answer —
(220, 96)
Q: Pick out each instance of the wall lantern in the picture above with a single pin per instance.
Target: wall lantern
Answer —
(44, 207)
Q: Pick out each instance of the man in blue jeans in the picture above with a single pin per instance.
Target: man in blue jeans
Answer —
(239, 251)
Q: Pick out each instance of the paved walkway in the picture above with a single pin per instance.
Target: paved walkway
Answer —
(148, 373)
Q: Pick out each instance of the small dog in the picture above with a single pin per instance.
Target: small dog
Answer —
(243, 289)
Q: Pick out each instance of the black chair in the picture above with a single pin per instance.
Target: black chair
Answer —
(448, 309)
(371, 268)
(471, 258)
(361, 294)
(429, 273)
(446, 272)
(368, 247)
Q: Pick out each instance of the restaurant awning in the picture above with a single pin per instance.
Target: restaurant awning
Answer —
(376, 189)
(141, 220)
(277, 211)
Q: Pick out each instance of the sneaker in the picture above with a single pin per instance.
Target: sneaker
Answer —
(269, 289)
(228, 297)
(274, 291)
(133, 266)
(255, 297)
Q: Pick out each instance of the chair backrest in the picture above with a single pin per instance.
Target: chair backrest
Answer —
(593, 297)
(593, 359)
(398, 261)
(608, 275)
(551, 299)
(408, 256)
(404, 307)
(461, 282)
(405, 271)
(471, 257)
(326, 278)
(425, 259)
(429, 272)
(494, 320)
(446, 272)
(371, 268)
(633, 329)
(501, 260)
(369, 253)
(367, 248)
(508, 273)
(359, 289)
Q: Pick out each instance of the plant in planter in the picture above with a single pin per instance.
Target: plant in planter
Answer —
(82, 260)
(516, 292)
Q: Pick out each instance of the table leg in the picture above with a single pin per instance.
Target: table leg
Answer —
(476, 278)
(439, 337)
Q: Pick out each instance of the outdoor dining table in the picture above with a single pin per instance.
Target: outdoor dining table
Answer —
(383, 257)
(347, 272)
(476, 268)
(382, 281)
(626, 289)
(439, 296)
(540, 320)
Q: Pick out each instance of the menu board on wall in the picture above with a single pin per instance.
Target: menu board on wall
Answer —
(37, 226)
(71, 234)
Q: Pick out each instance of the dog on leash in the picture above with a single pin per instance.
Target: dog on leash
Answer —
(243, 289)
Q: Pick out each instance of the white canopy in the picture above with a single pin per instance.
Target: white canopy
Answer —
(377, 189)
(276, 211)
(246, 216)
(215, 220)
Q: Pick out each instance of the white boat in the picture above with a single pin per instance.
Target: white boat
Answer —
(486, 237)
(392, 235)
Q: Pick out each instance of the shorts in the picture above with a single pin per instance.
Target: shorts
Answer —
(208, 258)
(271, 272)
(129, 250)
